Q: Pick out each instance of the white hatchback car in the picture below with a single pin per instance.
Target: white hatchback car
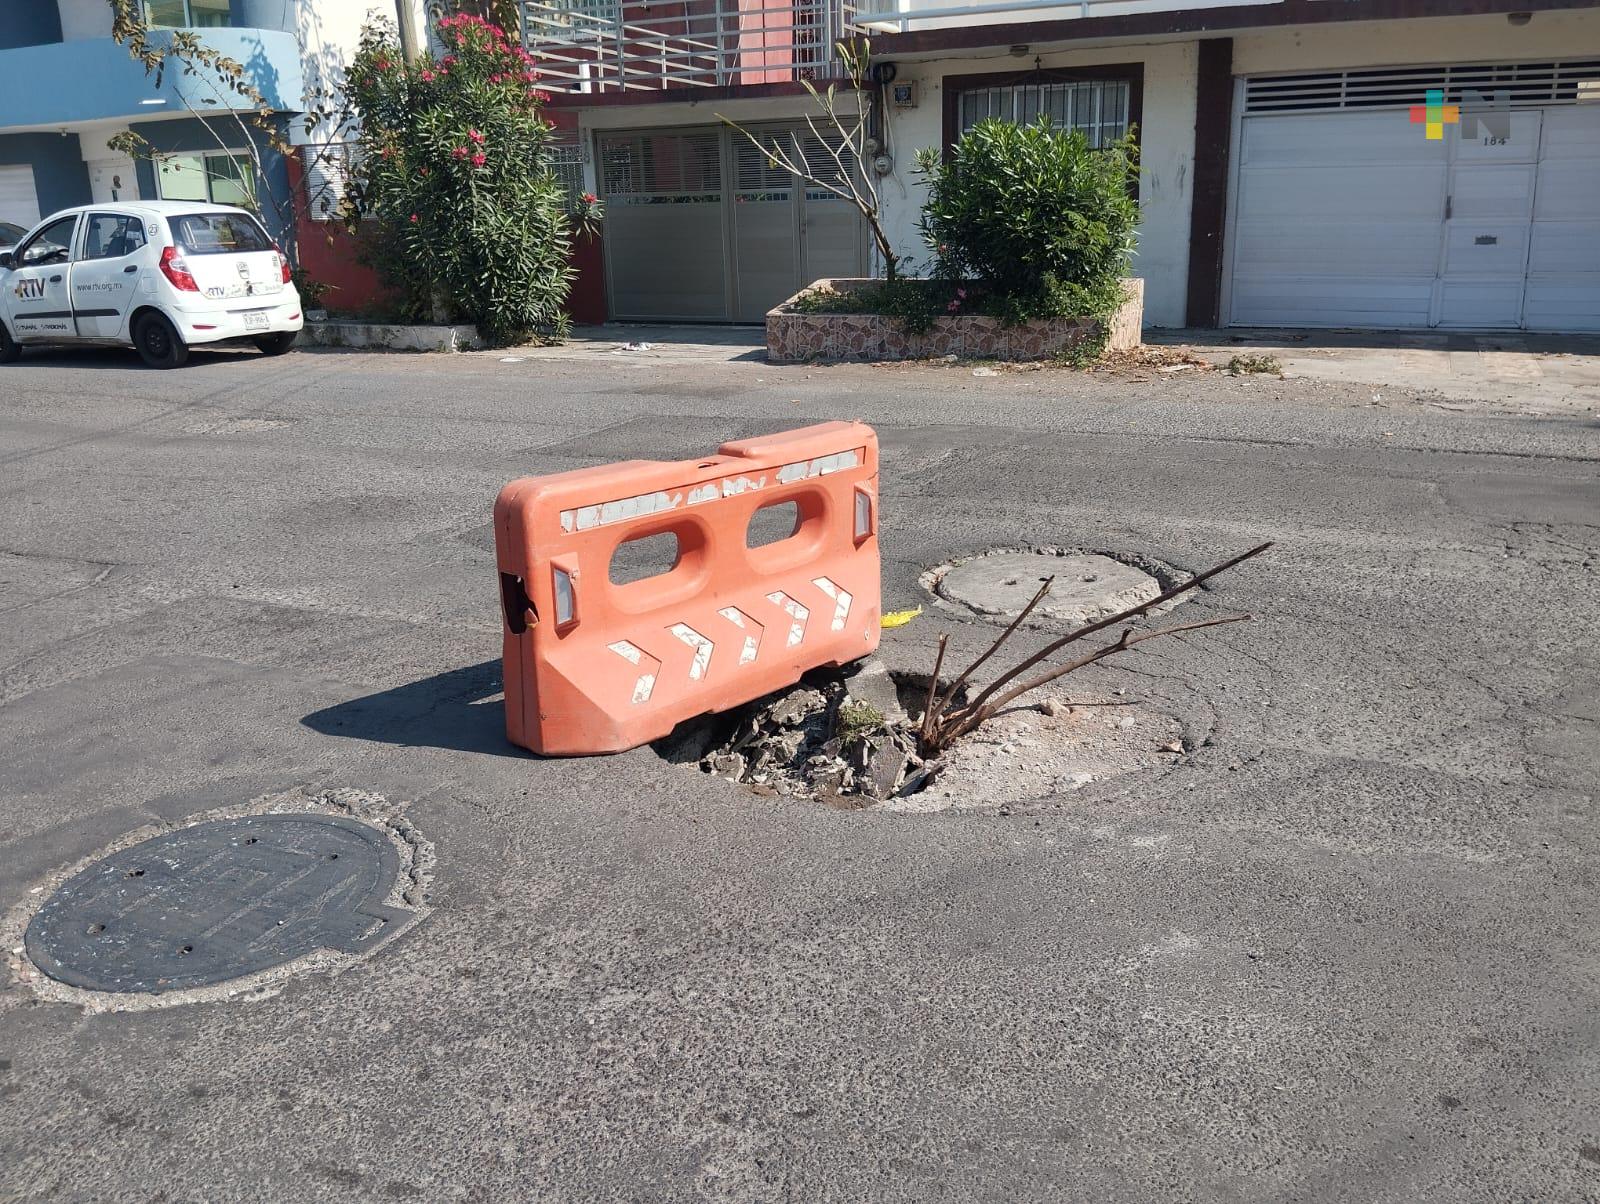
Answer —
(161, 276)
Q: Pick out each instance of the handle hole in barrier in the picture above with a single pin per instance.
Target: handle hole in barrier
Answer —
(645, 557)
(773, 524)
(514, 600)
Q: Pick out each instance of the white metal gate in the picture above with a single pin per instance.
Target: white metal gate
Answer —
(701, 226)
(1344, 213)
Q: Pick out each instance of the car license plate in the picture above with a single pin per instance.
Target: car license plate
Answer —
(255, 321)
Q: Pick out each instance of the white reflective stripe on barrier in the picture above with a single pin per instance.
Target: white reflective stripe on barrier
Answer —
(841, 601)
(645, 686)
(703, 648)
(798, 613)
(753, 632)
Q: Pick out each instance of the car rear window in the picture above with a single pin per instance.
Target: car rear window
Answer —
(218, 234)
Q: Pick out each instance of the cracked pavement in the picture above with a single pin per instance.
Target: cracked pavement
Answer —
(1344, 949)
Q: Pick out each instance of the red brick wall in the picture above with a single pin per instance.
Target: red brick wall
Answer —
(327, 252)
(329, 255)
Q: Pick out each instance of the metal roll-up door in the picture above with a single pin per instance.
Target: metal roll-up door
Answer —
(664, 234)
(765, 237)
(833, 234)
(702, 225)
(19, 203)
(1346, 213)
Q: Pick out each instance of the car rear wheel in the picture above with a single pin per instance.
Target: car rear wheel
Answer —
(158, 343)
(276, 344)
(10, 350)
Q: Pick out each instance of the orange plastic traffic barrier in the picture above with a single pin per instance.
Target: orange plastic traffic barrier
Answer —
(592, 666)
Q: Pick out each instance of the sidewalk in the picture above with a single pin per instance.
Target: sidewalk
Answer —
(1531, 373)
(1523, 373)
(697, 344)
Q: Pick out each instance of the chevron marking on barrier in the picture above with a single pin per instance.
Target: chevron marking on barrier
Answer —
(753, 632)
(645, 686)
(798, 615)
(703, 648)
(841, 601)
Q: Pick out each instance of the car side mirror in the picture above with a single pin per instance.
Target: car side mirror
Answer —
(5, 259)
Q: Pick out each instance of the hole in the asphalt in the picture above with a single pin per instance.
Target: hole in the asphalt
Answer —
(844, 736)
(772, 524)
(850, 738)
(249, 840)
(185, 950)
(136, 873)
(641, 559)
(333, 856)
(95, 929)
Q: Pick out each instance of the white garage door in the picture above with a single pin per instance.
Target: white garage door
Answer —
(19, 204)
(1346, 214)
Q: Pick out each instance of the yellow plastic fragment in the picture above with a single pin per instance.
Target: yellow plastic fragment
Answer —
(898, 618)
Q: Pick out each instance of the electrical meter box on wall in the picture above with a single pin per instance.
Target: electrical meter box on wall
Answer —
(904, 96)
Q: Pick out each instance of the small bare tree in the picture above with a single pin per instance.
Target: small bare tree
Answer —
(849, 178)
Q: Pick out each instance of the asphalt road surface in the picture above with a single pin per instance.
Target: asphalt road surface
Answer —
(1345, 950)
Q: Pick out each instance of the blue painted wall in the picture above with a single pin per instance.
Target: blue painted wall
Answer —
(29, 23)
(191, 136)
(94, 79)
(59, 175)
(265, 14)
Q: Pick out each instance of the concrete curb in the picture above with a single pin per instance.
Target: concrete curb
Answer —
(385, 336)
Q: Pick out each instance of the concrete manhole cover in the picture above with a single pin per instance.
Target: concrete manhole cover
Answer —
(218, 901)
(1087, 585)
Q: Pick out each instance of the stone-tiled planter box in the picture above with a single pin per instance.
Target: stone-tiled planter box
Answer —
(794, 337)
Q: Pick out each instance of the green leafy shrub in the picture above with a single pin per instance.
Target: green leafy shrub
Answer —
(1040, 220)
(455, 170)
(311, 291)
(915, 303)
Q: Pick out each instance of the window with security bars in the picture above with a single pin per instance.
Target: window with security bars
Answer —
(1098, 108)
(566, 164)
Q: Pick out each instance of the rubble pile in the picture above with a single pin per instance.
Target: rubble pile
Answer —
(841, 736)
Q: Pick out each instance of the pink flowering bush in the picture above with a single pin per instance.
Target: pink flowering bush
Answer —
(456, 173)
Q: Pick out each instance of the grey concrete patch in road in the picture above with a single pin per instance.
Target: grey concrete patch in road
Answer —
(997, 584)
(1084, 586)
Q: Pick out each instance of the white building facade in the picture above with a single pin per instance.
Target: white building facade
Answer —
(1290, 174)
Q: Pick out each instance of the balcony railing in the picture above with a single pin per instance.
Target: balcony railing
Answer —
(615, 45)
(630, 45)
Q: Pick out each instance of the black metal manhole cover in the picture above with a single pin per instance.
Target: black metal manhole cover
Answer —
(217, 901)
